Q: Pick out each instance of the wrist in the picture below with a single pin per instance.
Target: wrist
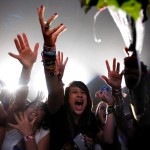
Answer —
(49, 48)
(29, 137)
(49, 44)
(117, 90)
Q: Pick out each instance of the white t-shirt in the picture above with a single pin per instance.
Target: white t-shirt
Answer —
(13, 137)
(40, 133)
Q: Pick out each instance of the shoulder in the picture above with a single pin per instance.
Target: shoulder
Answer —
(40, 133)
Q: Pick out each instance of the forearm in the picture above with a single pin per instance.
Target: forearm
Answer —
(108, 130)
(21, 93)
(2, 135)
(119, 109)
(118, 102)
(31, 144)
(20, 98)
(55, 93)
(25, 75)
(54, 84)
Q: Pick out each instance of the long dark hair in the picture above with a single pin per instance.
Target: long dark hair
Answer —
(84, 120)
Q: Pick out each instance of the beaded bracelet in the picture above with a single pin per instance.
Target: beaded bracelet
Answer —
(117, 91)
(49, 54)
(49, 59)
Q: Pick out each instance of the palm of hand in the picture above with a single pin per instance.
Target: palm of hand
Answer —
(114, 79)
(60, 65)
(27, 57)
(25, 127)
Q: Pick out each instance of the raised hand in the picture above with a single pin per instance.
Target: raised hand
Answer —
(23, 124)
(105, 96)
(60, 65)
(26, 56)
(114, 79)
(49, 35)
(40, 96)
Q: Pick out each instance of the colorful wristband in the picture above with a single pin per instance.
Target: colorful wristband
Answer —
(46, 48)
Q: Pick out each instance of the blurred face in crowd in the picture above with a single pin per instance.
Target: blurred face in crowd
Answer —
(35, 109)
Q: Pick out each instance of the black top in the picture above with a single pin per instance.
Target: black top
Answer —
(64, 131)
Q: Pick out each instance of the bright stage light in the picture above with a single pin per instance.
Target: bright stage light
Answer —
(76, 71)
(73, 71)
(38, 82)
(9, 73)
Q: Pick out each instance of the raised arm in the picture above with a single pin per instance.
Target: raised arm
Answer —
(60, 65)
(107, 135)
(54, 84)
(114, 80)
(27, 58)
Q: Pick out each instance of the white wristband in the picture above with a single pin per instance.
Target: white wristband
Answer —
(29, 137)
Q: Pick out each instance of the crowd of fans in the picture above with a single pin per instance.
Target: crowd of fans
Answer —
(66, 119)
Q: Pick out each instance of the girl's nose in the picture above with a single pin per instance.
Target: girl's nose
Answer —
(79, 94)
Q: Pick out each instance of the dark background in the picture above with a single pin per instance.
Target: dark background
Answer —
(86, 57)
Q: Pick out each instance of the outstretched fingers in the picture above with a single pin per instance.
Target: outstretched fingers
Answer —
(17, 45)
(13, 125)
(41, 11)
(57, 31)
(65, 62)
(34, 120)
(108, 66)
(21, 41)
(14, 55)
(36, 47)
(114, 64)
(17, 118)
(118, 67)
(25, 39)
(51, 19)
